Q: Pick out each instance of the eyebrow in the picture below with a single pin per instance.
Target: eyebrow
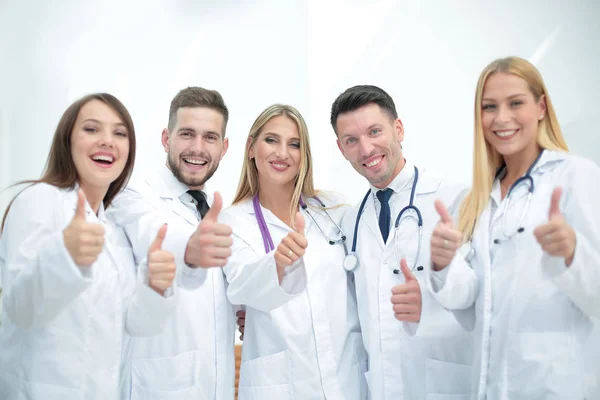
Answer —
(509, 97)
(277, 135)
(187, 128)
(98, 122)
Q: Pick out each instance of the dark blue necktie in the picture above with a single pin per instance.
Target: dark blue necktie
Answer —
(384, 214)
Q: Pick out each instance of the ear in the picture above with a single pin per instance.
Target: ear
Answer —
(249, 147)
(165, 139)
(339, 144)
(399, 128)
(225, 147)
(542, 105)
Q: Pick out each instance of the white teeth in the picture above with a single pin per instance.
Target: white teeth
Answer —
(279, 165)
(103, 158)
(195, 162)
(506, 133)
(373, 163)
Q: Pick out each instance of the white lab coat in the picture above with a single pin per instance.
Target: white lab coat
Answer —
(428, 360)
(64, 333)
(193, 358)
(533, 315)
(301, 340)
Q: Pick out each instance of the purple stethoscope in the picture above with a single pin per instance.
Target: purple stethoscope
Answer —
(266, 235)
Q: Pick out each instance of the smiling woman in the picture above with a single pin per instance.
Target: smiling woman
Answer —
(67, 268)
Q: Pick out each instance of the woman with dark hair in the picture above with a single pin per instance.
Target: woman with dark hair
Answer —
(70, 292)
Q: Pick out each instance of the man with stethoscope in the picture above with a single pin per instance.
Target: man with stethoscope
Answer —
(394, 222)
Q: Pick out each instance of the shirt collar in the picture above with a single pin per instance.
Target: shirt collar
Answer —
(401, 181)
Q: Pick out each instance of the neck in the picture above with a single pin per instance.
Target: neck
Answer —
(94, 196)
(277, 199)
(518, 164)
(399, 166)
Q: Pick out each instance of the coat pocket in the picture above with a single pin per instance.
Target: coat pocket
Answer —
(544, 365)
(447, 380)
(266, 377)
(163, 378)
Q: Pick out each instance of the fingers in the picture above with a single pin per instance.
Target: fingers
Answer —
(161, 270)
(555, 203)
(408, 275)
(160, 237)
(299, 223)
(441, 209)
(213, 214)
(80, 210)
(291, 243)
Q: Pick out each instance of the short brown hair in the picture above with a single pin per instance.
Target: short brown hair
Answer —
(198, 97)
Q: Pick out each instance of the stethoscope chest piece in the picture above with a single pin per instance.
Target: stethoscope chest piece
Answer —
(350, 262)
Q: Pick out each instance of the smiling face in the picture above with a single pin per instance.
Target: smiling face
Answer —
(276, 152)
(510, 115)
(370, 139)
(196, 145)
(99, 145)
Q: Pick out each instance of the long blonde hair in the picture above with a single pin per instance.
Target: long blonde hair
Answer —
(304, 186)
(486, 160)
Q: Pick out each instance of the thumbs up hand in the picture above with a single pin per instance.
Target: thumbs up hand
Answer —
(292, 247)
(84, 241)
(445, 239)
(161, 264)
(210, 245)
(556, 237)
(406, 297)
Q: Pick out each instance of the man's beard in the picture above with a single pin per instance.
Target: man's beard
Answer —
(189, 182)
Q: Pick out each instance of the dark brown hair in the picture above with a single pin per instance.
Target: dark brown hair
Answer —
(198, 97)
(60, 168)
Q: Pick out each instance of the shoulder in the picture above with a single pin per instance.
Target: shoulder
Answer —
(332, 198)
(442, 187)
(235, 213)
(39, 203)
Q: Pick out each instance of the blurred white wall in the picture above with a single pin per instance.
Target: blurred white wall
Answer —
(426, 54)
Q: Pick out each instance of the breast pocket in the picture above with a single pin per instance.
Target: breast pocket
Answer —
(544, 365)
(172, 378)
(267, 377)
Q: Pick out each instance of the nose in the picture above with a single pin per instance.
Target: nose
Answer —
(197, 144)
(365, 146)
(282, 151)
(504, 114)
(107, 139)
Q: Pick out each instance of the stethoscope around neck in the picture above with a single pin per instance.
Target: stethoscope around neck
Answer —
(266, 235)
(351, 261)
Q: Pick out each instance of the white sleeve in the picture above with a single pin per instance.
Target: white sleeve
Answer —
(581, 280)
(253, 279)
(142, 220)
(40, 278)
(148, 312)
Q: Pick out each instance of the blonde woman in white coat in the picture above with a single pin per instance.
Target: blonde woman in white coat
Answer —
(70, 292)
(302, 338)
(532, 223)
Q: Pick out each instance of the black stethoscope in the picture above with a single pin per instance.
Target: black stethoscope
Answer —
(351, 261)
(266, 235)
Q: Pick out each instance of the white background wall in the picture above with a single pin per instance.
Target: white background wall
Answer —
(426, 54)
